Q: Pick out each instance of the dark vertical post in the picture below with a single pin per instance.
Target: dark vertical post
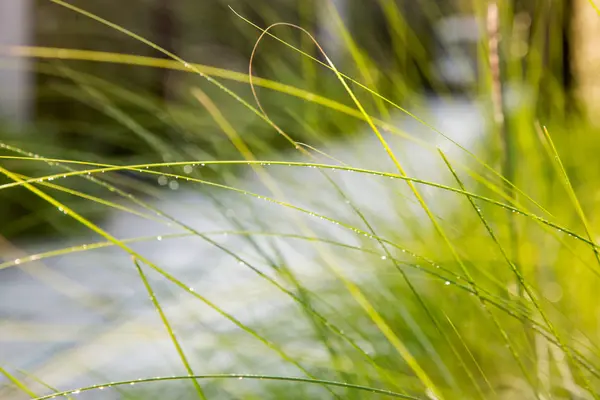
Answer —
(164, 32)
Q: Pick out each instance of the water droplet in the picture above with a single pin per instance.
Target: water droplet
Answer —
(241, 377)
(187, 65)
(188, 169)
(17, 261)
(76, 391)
(202, 165)
(101, 388)
(447, 283)
(383, 257)
(159, 238)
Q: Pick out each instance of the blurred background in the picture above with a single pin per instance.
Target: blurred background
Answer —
(476, 79)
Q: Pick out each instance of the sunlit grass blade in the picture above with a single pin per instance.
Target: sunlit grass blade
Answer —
(142, 168)
(169, 328)
(276, 202)
(341, 76)
(521, 280)
(93, 227)
(236, 376)
(74, 54)
(17, 382)
(558, 165)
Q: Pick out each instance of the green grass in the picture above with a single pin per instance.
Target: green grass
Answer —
(494, 298)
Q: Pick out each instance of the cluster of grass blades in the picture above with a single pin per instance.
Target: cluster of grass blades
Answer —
(493, 299)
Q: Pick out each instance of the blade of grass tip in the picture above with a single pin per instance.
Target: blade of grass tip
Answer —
(235, 376)
(322, 153)
(566, 182)
(17, 382)
(68, 211)
(395, 105)
(521, 281)
(169, 329)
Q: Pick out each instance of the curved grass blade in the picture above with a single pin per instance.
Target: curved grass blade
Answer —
(68, 211)
(235, 376)
(344, 77)
(143, 168)
(74, 54)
